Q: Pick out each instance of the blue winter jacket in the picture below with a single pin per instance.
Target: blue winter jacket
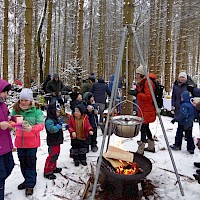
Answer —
(185, 115)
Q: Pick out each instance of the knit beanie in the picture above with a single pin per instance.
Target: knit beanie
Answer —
(55, 76)
(87, 96)
(26, 94)
(74, 95)
(182, 74)
(140, 70)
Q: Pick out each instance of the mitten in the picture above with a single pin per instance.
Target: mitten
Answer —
(133, 92)
(59, 126)
(173, 121)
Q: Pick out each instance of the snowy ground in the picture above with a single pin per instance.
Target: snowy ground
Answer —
(71, 186)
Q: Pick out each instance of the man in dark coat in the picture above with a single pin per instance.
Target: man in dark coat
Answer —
(88, 84)
(100, 91)
(55, 87)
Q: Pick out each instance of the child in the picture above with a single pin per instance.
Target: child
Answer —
(92, 112)
(6, 157)
(54, 139)
(79, 127)
(28, 138)
(185, 120)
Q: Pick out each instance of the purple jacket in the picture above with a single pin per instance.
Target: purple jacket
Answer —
(5, 137)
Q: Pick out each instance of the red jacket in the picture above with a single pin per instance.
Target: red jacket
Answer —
(145, 101)
(86, 126)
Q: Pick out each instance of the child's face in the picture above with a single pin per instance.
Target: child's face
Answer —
(79, 98)
(92, 99)
(77, 113)
(4, 95)
(58, 112)
(25, 102)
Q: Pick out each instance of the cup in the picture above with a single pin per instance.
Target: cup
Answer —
(195, 100)
(19, 118)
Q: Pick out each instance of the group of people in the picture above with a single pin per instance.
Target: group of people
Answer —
(82, 127)
(184, 110)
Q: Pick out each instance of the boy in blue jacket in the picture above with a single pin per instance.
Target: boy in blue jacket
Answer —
(54, 139)
(185, 118)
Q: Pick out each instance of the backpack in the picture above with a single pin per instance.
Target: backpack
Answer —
(158, 92)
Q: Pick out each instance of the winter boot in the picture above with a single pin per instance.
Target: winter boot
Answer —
(198, 171)
(57, 170)
(50, 176)
(29, 191)
(21, 186)
(197, 177)
(197, 164)
(141, 146)
(151, 146)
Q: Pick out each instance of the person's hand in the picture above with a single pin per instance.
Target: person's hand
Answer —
(53, 93)
(59, 93)
(4, 125)
(133, 92)
(73, 134)
(59, 126)
(172, 110)
(173, 121)
(28, 128)
(91, 132)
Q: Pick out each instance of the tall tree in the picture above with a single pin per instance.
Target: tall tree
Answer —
(28, 43)
(168, 45)
(5, 42)
(48, 42)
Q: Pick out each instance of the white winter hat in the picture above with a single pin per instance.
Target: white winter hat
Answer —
(140, 70)
(26, 94)
(182, 74)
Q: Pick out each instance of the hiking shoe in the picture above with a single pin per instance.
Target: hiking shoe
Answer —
(94, 149)
(50, 176)
(191, 151)
(175, 148)
(29, 191)
(76, 163)
(197, 177)
(84, 163)
(21, 186)
(198, 171)
(57, 170)
(197, 164)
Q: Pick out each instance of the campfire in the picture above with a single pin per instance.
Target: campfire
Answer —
(122, 161)
(127, 168)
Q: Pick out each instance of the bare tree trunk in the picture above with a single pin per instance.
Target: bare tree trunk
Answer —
(168, 45)
(28, 43)
(91, 61)
(15, 50)
(5, 43)
(39, 42)
(58, 45)
(48, 42)
(128, 19)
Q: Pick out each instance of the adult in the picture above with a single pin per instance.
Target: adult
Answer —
(87, 85)
(100, 91)
(148, 111)
(6, 157)
(44, 85)
(180, 85)
(55, 87)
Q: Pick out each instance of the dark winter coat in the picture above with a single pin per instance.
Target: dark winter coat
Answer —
(86, 87)
(177, 90)
(5, 137)
(100, 91)
(185, 116)
(54, 135)
(145, 101)
(48, 78)
(196, 92)
(54, 86)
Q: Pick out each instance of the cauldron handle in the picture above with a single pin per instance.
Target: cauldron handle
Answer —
(129, 102)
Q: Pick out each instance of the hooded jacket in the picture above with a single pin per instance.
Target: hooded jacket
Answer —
(48, 78)
(5, 137)
(54, 135)
(185, 115)
(31, 139)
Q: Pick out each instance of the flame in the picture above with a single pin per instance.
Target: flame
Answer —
(127, 168)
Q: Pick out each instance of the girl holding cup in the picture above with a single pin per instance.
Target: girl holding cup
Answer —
(28, 138)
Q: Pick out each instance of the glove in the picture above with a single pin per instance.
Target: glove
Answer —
(66, 126)
(61, 121)
(173, 121)
(59, 126)
(190, 88)
(133, 92)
